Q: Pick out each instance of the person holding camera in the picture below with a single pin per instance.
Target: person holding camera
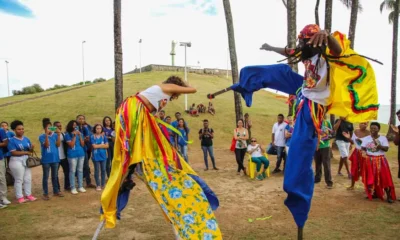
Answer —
(20, 148)
(206, 136)
(322, 155)
(75, 155)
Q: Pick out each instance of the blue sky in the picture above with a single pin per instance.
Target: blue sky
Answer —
(42, 39)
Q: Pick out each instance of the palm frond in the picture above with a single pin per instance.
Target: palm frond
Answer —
(391, 17)
(388, 5)
(348, 3)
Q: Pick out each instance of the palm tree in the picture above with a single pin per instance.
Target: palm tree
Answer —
(232, 51)
(393, 6)
(316, 12)
(291, 35)
(118, 54)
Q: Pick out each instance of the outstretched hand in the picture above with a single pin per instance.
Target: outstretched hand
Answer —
(319, 38)
(266, 47)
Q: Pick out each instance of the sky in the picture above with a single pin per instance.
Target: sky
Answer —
(42, 39)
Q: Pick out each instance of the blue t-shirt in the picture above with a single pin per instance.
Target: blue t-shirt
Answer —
(175, 124)
(49, 154)
(290, 130)
(77, 150)
(6, 152)
(3, 137)
(108, 132)
(183, 141)
(16, 144)
(99, 154)
(85, 132)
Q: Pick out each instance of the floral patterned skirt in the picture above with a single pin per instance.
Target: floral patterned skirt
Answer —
(186, 201)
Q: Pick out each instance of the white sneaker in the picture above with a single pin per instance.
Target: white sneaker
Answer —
(2, 206)
(5, 201)
(73, 191)
(82, 190)
(98, 188)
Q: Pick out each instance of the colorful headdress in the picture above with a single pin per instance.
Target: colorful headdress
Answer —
(309, 31)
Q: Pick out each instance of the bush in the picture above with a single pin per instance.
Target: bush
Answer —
(97, 80)
(35, 88)
(57, 87)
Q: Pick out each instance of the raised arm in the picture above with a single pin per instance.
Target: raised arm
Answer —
(282, 51)
(323, 37)
(172, 88)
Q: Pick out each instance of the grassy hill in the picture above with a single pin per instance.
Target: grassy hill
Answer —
(96, 101)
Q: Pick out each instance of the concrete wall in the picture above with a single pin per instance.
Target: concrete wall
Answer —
(155, 67)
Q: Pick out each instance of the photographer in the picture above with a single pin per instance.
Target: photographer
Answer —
(206, 135)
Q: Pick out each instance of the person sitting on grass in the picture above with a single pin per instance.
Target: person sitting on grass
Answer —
(201, 108)
(193, 111)
(257, 156)
(211, 108)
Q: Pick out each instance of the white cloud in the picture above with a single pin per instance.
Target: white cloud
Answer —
(47, 49)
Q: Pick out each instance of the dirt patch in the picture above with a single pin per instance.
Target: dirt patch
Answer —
(335, 213)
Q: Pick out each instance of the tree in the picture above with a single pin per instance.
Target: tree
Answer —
(393, 6)
(232, 51)
(291, 37)
(118, 54)
(316, 12)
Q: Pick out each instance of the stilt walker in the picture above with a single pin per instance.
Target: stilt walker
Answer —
(336, 80)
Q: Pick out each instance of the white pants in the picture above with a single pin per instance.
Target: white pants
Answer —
(22, 176)
(287, 150)
(3, 183)
(344, 148)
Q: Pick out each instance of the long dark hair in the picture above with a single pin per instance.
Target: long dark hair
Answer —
(70, 126)
(184, 125)
(46, 122)
(104, 122)
(95, 126)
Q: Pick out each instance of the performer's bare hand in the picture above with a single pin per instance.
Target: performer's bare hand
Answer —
(346, 135)
(394, 128)
(266, 47)
(319, 38)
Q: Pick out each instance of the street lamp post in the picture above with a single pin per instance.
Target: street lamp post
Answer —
(8, 82)
(140, 55)
(186, 44)
(83, 63)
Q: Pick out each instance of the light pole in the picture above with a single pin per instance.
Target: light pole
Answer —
(185, 44)
(83, 63)
(140, 55)
(8, 82)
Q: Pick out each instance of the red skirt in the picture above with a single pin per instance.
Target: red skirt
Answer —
(357, 162)
(377, 177)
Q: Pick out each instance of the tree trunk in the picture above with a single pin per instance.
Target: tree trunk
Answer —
(232, 51)
(353, 22)
(316, 12)
(291, 37)
(328, 27)
(118, 54)
(390, 134)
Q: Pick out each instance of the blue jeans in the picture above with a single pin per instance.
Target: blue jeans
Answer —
(76, 165)
(54, 177)
(183, 150)
(280, 155)
(86, 168)
(100, 167)
(210, 151)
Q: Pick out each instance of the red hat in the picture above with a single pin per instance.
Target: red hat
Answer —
(309, 31)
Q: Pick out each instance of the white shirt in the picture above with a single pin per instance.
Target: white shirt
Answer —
(156, 97)
(315, 85)
(279, 131)
(369, 144)
(61, 152)
(257, 153)
(357, 144)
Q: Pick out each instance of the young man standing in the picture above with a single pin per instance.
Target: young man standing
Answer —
(279, 141)
(322, 155)
(288, 132)
(341, 126)
(206, 136)
(84, 129)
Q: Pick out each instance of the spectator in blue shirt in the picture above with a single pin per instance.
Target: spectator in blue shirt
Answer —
(84, 128)
(288, 133)
(171, 134)
(20, 148)
(62, 154)
(182, 141)
(108, 129)
(49, 143)
(100, 145)
(10, 134)
(175, 123)
(75, 155)
(3, 184)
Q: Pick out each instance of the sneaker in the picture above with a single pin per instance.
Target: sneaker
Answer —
(21, 200)
(31, 198)
(73, 191)
(206, 169)
(259, 177)
(2, 206)
(5, 201)
(46, 197)
(91, 185)
(329, 186)
(82, 190)
(98, 188)
(215, 168)
(264, 175)
(59, 194)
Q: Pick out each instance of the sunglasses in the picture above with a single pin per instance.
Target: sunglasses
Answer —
(253, 141)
